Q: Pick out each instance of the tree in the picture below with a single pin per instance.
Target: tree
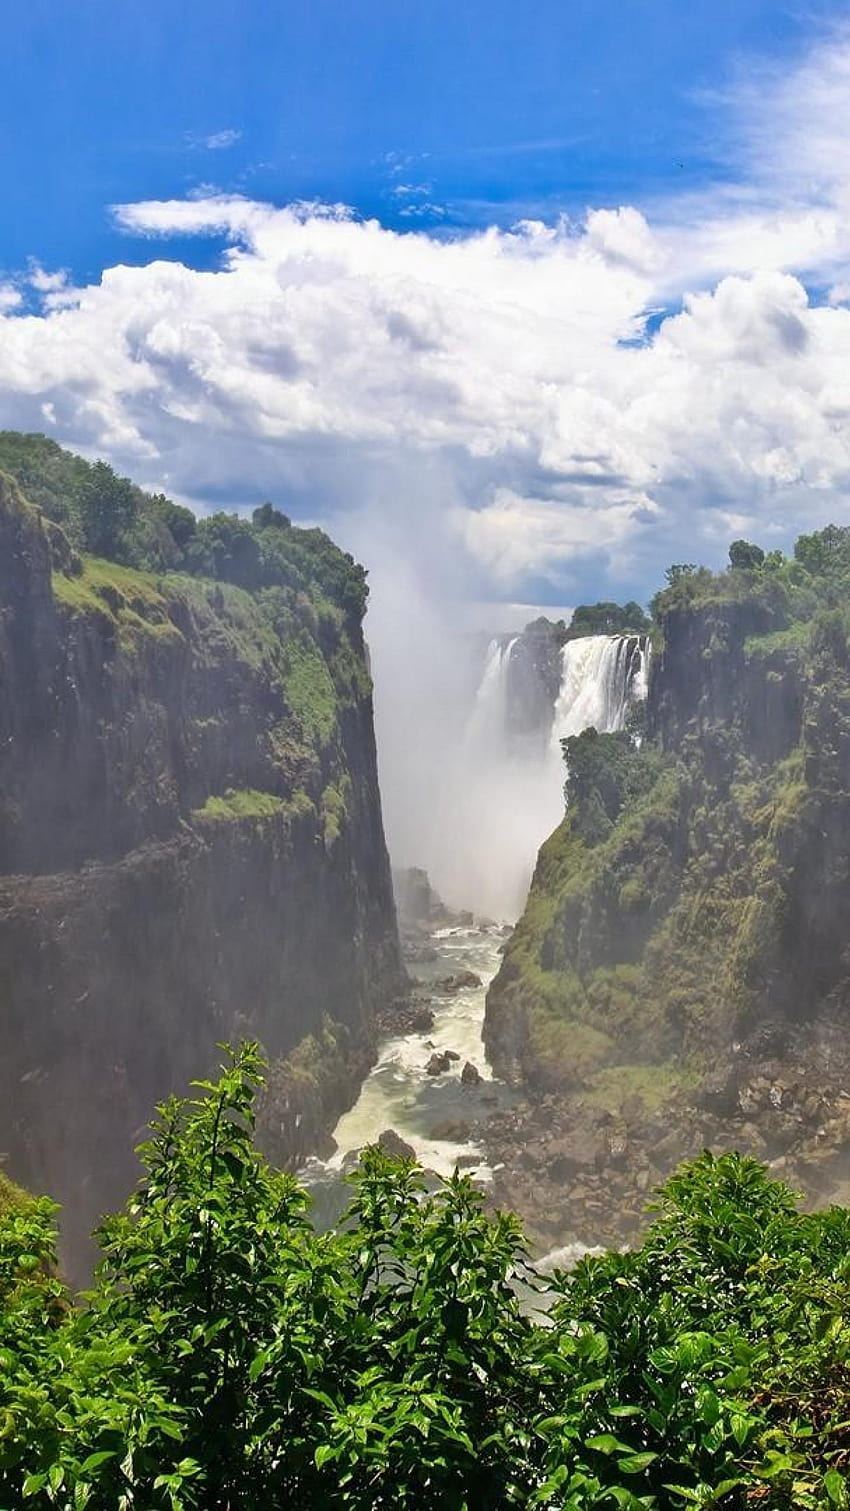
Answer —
(267, 517)
(230, 1356)
(678, 570)
(179, 520)
(107, 507)
(825, 551)
(745, 556)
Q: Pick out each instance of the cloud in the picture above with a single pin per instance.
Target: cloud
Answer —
(216, 141)
(549, 411)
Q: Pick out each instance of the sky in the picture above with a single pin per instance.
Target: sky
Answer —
(558, 291)
(522, 303)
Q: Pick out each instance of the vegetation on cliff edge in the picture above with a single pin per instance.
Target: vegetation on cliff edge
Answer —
(105, 515)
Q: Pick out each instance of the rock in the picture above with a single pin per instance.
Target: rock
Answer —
(392, 1143)
(420, 954)
(718, 1092)
(437, 1065)
(471, 1075)
(581, 1150)
(407, 1015)
(451, 1054)
(450, 1131)
(460, 981)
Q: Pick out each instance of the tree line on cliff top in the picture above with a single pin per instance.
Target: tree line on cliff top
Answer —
(229, 1355)
(106, 515)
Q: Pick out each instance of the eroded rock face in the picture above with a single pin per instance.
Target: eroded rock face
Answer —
(190, 851)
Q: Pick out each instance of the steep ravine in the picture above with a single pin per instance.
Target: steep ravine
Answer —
(191, 849)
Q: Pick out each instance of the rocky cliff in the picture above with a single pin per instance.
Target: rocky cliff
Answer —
(684, 956)
(191, 849)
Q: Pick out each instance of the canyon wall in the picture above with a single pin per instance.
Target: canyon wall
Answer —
(717, 901)
(191, 850)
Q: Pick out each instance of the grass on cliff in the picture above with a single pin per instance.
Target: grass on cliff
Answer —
(230, 1355)
(236, 804)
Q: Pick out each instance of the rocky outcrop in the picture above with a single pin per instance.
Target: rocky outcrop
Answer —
(191, 850)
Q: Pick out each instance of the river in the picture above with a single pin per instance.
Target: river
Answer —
(434, 1114)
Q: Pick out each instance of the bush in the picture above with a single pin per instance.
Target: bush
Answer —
(229, 1355)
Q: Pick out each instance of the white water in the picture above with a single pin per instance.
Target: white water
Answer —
(596, 691)
(399, 1094)
(520, 795)
(487, 724)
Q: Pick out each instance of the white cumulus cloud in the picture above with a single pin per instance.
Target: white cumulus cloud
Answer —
(545, 411)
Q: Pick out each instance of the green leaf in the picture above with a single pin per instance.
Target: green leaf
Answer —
(835, 1486)
(636, 1463)
(95, 1460)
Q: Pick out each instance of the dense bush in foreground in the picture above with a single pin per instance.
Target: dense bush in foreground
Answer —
(229, 1356)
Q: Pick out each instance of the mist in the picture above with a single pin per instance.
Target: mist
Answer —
(457, 800)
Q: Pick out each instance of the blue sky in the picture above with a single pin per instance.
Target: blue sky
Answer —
(586, 312)
(440, 114)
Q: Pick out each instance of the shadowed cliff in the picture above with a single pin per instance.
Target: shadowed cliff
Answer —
(191, 847)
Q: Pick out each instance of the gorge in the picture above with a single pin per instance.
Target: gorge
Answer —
(192, 849)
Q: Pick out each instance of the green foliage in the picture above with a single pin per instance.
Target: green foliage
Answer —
(229, 1355)
(109, 516)
(605, 774)
(240, 803)
(826, 552)
(607, 619)
(745, 556)
(100, 512)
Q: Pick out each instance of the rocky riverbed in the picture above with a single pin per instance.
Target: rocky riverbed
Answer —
(580, 1172)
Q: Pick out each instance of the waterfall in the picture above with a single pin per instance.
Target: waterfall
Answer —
(489, 718)
(502, 786)
(601, 676)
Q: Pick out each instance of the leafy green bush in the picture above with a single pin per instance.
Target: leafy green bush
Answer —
(230, 1356)
(605, 774)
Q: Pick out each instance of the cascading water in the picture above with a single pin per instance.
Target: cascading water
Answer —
(601, 677)
(488, 720)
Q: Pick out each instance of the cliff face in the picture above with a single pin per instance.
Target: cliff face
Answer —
(191, 849)
(680, 978)
(719, 900)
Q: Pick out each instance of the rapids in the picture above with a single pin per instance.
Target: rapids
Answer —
(399, 1094)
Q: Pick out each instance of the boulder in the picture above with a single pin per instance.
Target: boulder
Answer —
(460, 981)
(718, 1091)
(450, 1130)
(471, 1075)
(438, 1064)
(393, 1143)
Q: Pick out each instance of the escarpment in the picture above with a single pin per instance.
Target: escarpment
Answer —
(191, 849)
(683, 952)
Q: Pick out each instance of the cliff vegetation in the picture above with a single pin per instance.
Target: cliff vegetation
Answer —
(688, 919)
(191, 840)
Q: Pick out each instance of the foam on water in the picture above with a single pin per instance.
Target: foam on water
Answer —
(399, 1094)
